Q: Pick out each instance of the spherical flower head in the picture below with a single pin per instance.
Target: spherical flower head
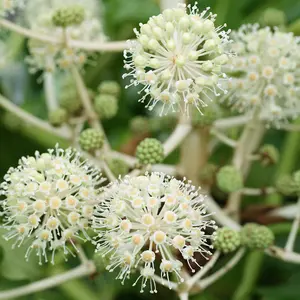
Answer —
(269, 155)
(257, 237)
(106, 106)
(227, 240)
(229, 179)
(286, 185)
(150, 151)
(267, 79)
(178, 58)
(273, 17)
(68, 16)
(109, 87)
(48, 201)
(84, 27)
(144, 222)
(118, 167)
(91, 139)
(68, 96)
(140, 125)
(58, 116)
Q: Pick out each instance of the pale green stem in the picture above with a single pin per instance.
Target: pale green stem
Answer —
(31, 120)
(114, 46)
(80, 271)
(251, 272)
(247, 144)
(294, 230)
(204, 283)
(50, 93)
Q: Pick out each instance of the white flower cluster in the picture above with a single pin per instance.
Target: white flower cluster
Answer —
(49, 56)
(147, 221)
(49, 201)
(9, 6)
(267, 76)
(178, 58)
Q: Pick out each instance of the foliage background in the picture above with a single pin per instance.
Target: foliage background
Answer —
(272, 280)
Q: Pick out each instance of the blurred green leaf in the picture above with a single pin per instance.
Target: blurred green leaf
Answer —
(14, 266)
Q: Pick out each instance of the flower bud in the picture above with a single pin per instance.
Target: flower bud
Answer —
(150, 151)
(269, 155)
(229, 179)
(256, 237)
(58, 117)
(227, 240)
(68, 16)
(106, 106)
(91, 139)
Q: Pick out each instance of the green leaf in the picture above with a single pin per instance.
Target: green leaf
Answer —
(13, 265)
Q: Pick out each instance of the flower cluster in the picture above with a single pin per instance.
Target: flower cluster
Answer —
(9, 6)
(178, 58)
(49, 201)
(267, 73)
(148, 221)
(49, 56)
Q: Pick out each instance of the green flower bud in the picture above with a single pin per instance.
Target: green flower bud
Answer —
(286, 185)
(68, 16)
(109, 87)
(106, 106)
(295, 27)
(296, 179)
(69, 100)
(256, 237)
(229, 179)
(269, 155)
(227, 240)
(207, 173)
(91, 139)
(273, 17)
(165, 122)
(139, 125)
(58, 117)
(210, 115)
(150, 151)
(118, 167)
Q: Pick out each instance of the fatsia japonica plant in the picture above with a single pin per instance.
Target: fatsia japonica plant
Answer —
(150, 218)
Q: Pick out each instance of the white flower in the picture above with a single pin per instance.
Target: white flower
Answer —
(49, 56)
(178, 58)
(268, 77)
(145, 222)
(49, 201)
(9, 6)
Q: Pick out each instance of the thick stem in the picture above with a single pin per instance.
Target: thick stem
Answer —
(293, 233)
(49, 88)
(34, 121)
(80, 271)
(180, 132)
(183, 296)
(190, 283)
(214, 277)
(87, 104)
(115, 46)
(247, 144)
(194, 154)
(251, 273)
